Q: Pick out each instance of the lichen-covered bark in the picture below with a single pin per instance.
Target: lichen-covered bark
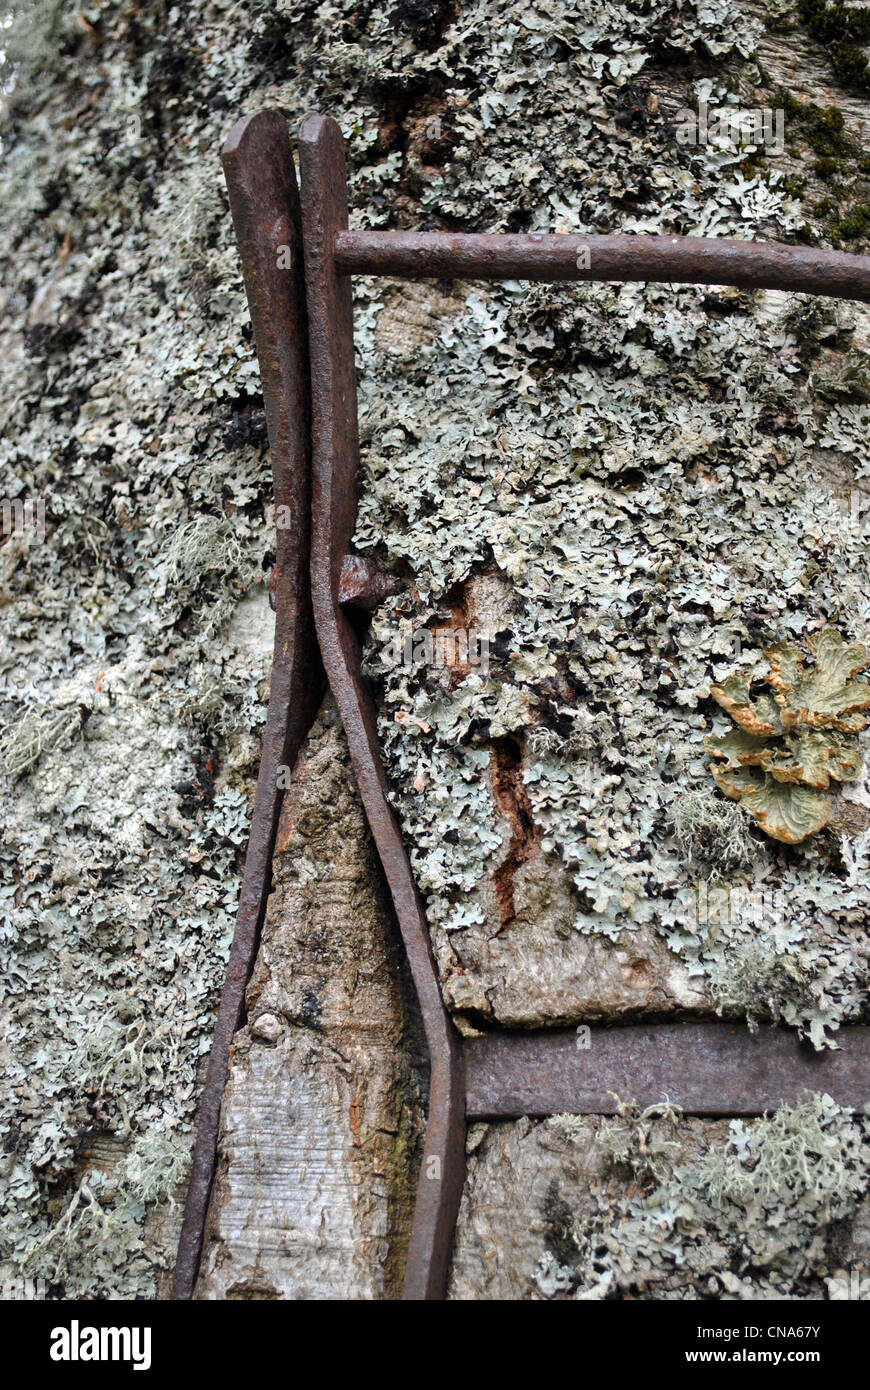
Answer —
(627, 490)
(656, 1206)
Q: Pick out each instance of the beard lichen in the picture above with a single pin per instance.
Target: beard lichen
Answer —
(796, 741)
(711, 831)
(36, 731)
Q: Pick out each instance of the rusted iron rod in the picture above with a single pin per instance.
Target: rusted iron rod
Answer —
(557, 256)
(335, 459)
(258, 165)
(705, 1068)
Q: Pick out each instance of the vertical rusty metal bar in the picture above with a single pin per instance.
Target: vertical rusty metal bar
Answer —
(258, 165)
(334, 498)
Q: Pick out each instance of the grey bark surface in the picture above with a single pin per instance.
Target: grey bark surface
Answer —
(314, 1189)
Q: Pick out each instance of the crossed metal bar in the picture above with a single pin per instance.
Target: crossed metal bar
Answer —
(297, 260)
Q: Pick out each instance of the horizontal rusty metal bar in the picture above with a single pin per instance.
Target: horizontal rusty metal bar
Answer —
(706, 1068)
(542, 256)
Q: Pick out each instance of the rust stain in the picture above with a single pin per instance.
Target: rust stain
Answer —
(513, 801)
(286, 820)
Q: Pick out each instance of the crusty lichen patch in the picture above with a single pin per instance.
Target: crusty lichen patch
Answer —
(657, 478)
(131, 700)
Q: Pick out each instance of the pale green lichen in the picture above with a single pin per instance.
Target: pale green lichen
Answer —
(206, 559)
(648, 476)
(36, 731)
(711, 830)
(96, 1241)
(753, 1214)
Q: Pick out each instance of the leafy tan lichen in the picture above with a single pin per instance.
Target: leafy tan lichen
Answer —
(789, 745)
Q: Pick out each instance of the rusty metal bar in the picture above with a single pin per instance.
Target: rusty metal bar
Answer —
(552, 257)
(335, 458)
(258, 165)
(705, 1068)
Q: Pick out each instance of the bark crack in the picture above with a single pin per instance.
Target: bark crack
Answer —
(525, 841)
